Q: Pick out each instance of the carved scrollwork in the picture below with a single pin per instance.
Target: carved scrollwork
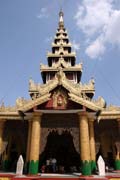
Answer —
(3, 108)
(20, 102)
(79, 89)
(38, 90)
(59, 99)
(60, 76)
(112, 108)
(90, 85)
(100, 102)
(32, 85)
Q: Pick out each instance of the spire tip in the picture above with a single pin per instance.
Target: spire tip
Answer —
(61, 21)
(61, 13)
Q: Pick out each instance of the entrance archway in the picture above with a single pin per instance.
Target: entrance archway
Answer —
(61, 147)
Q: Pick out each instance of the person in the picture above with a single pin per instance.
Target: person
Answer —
(54, 161)
(43, 168)
(47, 165)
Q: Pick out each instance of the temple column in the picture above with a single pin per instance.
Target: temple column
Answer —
(92, 144)
(35, 144)
(118, 126)
(5, 160)
(117, 158)
(1, 134)
(28, 144)
(84, 144)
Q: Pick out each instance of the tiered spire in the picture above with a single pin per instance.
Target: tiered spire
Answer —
(61, 56)
(62, 69)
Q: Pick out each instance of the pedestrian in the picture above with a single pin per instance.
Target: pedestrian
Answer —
(47, 165)
(43, 168)
(54, 162)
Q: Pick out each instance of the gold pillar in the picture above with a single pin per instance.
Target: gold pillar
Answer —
(28, 141)
(92, 144)
(117, 158)
(4, 157)
(84, 144)
(92, 139)
(118, 150)
(118, 126)
(1, 134)
(35, 143)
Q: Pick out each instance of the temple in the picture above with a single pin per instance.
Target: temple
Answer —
(61, 119)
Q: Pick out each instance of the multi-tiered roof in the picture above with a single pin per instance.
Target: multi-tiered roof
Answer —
(62, 87)
(62, 58)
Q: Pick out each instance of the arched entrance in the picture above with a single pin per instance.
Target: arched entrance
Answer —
(61, 147)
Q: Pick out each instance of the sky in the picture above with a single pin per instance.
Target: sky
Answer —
(28, 27)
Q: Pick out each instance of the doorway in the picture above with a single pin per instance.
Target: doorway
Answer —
(61, 147)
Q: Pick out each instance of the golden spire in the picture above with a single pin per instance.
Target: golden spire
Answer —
(61, 21)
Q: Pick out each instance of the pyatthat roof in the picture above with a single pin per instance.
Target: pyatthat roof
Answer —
(75, 94)
(75, 91)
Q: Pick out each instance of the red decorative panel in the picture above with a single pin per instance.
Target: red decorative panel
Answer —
(49, 104)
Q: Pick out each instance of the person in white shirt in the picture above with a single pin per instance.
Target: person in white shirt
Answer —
(54, 162)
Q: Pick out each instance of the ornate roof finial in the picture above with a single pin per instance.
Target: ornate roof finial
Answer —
(61, 21)
(61, 14)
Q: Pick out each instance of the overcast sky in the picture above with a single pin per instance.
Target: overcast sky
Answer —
(27, 29)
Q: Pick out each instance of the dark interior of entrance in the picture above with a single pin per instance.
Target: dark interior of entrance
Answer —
(61, 147)
(15, 134)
